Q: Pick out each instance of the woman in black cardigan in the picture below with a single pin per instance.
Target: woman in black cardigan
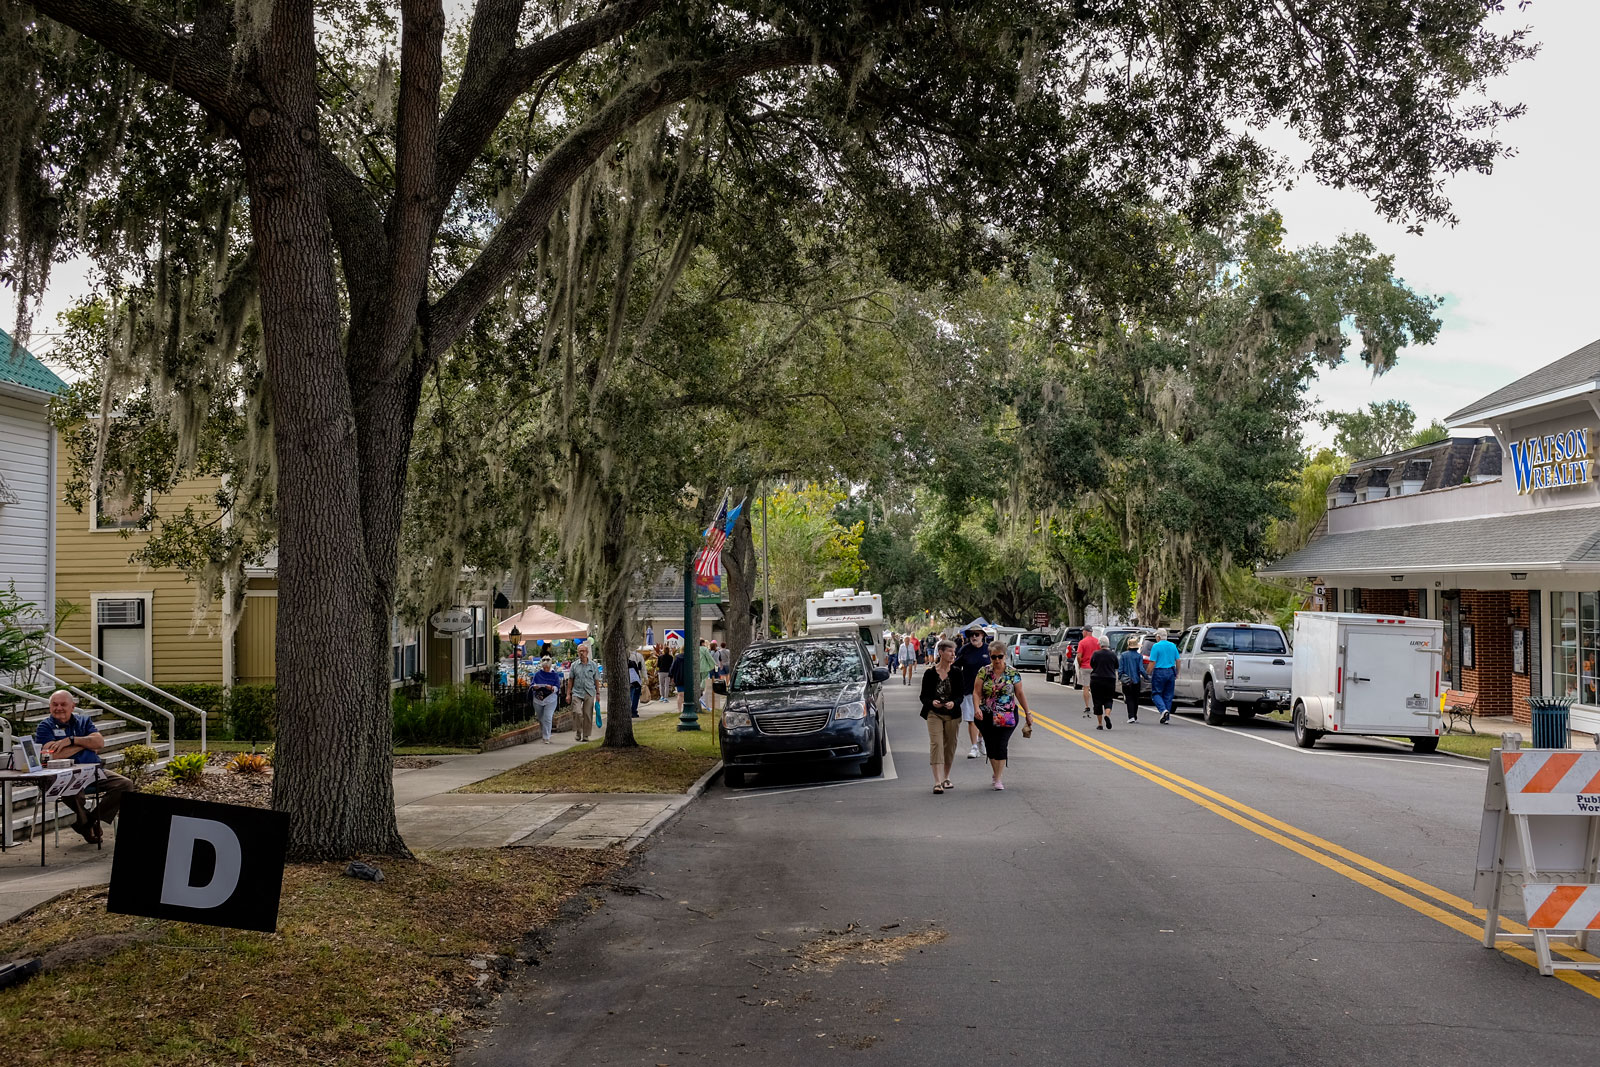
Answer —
(941, 706)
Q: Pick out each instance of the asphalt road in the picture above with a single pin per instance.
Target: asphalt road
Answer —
(1155, 895)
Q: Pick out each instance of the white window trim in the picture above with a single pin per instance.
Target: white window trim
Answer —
(421, 643)
(148, 596)
(94, 516)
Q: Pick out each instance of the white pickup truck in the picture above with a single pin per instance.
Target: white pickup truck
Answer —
(1243, 665)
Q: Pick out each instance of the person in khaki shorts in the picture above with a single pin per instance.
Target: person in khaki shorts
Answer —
(583, 689)
(941, 706)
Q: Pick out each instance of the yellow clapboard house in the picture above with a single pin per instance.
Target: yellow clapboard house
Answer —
(145, 621)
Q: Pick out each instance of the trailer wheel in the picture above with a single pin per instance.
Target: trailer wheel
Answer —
(1304, 736)
(1212, 711)
(1424, 745)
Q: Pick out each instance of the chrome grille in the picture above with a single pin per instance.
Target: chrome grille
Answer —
(793, 722)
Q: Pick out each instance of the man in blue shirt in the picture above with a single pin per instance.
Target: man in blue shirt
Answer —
(64, 734)
(1130, 672)
(1163, 674)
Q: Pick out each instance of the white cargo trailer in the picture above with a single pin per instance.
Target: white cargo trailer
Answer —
(1366, 674)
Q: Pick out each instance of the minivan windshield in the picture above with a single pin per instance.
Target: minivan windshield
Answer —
(780, 666)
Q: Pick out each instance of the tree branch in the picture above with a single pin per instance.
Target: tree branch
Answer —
(496, 73)
(579, 150)
(204, 75)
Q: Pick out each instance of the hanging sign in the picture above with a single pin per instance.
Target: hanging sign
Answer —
(1552, 461)
(451, 621)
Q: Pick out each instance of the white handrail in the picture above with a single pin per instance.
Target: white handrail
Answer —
(82, 694)
(163, 692)
(172, 720)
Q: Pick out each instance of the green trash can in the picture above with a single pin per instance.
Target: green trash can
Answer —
(1551, 727)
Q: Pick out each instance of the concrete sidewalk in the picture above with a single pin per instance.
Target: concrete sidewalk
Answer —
(431, 817)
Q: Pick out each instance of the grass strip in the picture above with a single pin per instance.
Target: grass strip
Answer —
(666, 760)
(358, 972)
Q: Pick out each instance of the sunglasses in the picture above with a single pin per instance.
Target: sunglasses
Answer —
(1001, 656)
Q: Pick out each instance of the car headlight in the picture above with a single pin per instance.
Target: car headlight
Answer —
(856, 709)
(734, 720)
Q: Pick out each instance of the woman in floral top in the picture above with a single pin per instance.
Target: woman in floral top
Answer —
(996, 695)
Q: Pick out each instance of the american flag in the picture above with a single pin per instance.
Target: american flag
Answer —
(708, 563)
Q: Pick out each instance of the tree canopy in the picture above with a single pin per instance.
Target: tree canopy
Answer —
(298, 211)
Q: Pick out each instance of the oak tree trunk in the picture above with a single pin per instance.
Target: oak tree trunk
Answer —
(739, 563)
(333, 769)
(616, 623)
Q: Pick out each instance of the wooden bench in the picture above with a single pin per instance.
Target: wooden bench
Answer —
(1459, 705)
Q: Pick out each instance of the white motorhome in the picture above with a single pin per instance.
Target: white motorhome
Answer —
(1366, 674)
(847, 611)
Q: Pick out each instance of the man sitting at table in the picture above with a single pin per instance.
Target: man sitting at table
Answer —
(67, 735)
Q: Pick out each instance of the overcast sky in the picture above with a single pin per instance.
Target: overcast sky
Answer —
(1517, 274)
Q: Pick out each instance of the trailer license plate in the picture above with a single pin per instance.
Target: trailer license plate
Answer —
(1416, 704)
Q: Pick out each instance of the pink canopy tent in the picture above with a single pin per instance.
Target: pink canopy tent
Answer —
(542, 624)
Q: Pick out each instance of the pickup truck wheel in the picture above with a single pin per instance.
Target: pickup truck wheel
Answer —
(732, 779)
(1213, 711)
(1048, 675)
(1304, 736)
(1424, 745)
(1246, 711)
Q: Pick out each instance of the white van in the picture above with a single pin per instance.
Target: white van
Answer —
(1367, 674)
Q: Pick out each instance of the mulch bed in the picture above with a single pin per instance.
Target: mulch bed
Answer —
(248, 790)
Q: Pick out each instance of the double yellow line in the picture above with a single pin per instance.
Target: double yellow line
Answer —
(1437, 904)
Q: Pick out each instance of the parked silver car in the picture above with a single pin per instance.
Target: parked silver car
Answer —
(1026, 651)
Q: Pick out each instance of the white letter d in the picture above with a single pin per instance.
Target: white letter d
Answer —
(175, 887)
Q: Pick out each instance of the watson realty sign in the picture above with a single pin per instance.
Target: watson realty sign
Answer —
(1553, 461)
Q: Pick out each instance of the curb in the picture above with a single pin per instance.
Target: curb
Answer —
(641, 835)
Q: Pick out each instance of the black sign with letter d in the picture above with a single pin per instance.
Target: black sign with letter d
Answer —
(219, 864)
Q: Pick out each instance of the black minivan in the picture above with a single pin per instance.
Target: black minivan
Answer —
(810, 700)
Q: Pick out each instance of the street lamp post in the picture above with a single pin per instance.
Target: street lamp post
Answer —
(515, 633)
(689, 719)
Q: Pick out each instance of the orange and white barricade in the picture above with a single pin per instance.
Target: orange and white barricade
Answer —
(1541, 835)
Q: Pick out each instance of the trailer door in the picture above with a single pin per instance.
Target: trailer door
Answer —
(1385, 689)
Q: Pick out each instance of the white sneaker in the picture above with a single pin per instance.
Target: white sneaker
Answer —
(972, 753)
(983, 750)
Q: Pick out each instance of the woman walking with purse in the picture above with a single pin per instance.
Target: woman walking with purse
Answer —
(941, 706)
(996, 695)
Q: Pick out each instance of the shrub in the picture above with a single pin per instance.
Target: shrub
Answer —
(458, 715)
(270, 753)
(188, 768)
(209, 697)
(253, 712)
(136, 760)
(156, 786)
(248, 763)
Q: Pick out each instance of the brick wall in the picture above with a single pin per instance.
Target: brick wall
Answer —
(1519, 682)
(1389, 602)
(1490, 674)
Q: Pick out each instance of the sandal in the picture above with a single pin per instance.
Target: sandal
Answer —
(938, 789)
(947, 784)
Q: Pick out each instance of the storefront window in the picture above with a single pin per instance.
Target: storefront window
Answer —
(1564, 645)
(1589, 642)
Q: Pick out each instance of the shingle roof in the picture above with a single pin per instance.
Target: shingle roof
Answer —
(1575, 368)
(21, 367)
(1533, 540)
